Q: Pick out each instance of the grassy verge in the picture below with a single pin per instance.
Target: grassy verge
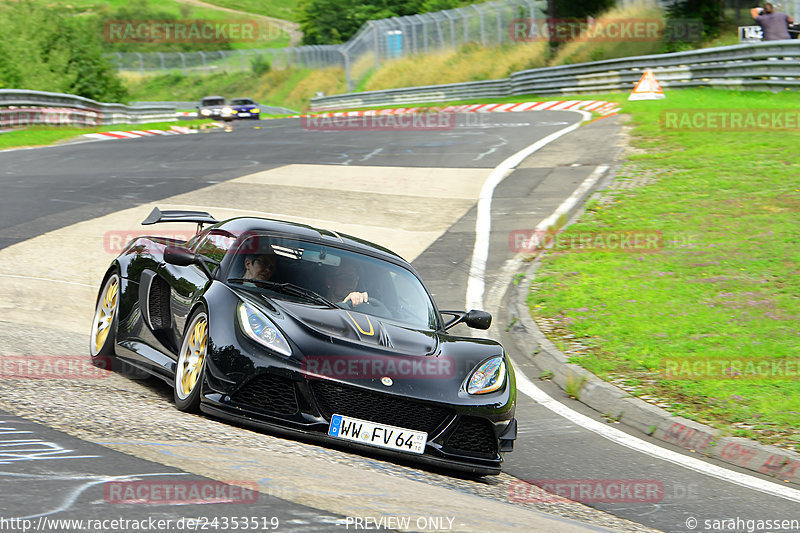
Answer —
(44, 135)
(290, 88)
(469, 62)
(281, 9)
(723, 286)
(179, 11)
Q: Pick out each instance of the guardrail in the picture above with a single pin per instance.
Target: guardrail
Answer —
(409, 95)
(25, 108)
(756, 66)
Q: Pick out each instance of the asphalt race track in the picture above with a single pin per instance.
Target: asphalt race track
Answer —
(64, 210)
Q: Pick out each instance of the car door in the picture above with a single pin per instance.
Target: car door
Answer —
(182, 286)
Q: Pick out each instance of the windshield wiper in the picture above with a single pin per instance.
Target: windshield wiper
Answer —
(286, 288)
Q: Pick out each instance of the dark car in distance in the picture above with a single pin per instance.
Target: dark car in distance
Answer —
(248, 321)
(245, 108)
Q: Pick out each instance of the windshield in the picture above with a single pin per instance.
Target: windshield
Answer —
(389, 291)
(241, 101)
(212, 101)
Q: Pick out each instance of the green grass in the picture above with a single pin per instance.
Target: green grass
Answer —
(45, 135)
(181, 11)
(725, 283)
(289, 88)
(281, 9)
(166, 6)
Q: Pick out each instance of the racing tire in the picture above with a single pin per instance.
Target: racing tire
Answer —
(190, 370)
(104, 324)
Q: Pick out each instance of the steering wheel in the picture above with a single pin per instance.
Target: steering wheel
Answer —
(377, 306)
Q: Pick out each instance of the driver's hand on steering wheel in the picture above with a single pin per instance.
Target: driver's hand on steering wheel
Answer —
(357, 298)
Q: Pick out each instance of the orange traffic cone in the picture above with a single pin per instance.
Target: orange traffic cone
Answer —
(647, 88)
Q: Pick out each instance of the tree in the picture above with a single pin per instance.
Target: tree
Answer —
(579, 9)
(709, 11)
(335, 21)
(47, 49)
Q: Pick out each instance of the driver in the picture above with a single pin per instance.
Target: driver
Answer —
(342, 286)
(260, 266)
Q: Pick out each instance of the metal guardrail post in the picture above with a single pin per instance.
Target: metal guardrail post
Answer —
(452, 28)
(347, 69)
(405, 40)
(141, 63)
(531, 13)
(373, 25)
(161, 57)
(413, 37)
(465, 18)
(483, 27)
(499, 22)
(439, 31)
(424, 31)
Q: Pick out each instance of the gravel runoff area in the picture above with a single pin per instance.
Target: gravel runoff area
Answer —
(125, 409)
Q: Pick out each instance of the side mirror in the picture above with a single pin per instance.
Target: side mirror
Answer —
(180, 256)
(473, 319)
(478, 319)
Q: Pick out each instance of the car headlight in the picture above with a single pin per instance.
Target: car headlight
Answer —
(205, 112)
(228, 110)
(256, 111)
(261, 329)
(489, 376)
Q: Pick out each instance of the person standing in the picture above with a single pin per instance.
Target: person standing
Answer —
(774, 24)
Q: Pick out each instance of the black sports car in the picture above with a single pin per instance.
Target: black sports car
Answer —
(307, 331)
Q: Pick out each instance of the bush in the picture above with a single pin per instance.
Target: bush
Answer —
(47, 49)
(259, 65)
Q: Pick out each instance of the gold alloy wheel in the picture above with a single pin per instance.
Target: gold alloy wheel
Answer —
(192, 356)
(104, 314)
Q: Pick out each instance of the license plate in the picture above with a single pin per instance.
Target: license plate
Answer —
(244, 114)
(366, 432)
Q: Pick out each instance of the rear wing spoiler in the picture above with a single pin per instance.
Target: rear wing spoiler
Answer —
(175, 215)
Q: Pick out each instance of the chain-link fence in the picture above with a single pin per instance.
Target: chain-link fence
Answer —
(376, 41)
(488, 24)
(737, 11)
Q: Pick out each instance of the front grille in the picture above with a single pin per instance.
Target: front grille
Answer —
(269, 393)
(473, 436)
(378, 407)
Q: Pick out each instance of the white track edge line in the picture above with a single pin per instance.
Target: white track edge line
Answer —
(527, 387)
(476, 284)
